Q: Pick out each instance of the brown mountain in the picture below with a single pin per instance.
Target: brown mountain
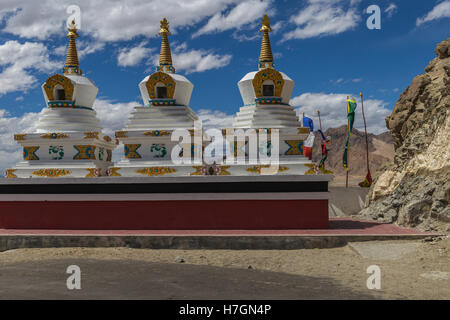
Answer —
(415, 189)
(381, 151)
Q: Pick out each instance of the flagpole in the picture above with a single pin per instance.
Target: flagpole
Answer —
(320, 121)
(303, 120)
(348, 149)
(365, 129)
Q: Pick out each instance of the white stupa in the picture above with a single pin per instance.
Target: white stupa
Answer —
(147, 136)
(266, 94)
(68, 141)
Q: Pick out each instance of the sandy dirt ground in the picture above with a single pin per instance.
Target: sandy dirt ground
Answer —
(353, 181)
(421, 274)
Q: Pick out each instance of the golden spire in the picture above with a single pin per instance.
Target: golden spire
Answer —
(265, 57)
(165, 57)
(72, 65)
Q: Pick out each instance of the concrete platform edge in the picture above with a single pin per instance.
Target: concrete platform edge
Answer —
(192, 242)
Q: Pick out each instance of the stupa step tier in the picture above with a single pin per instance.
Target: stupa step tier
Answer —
(266, 116)
(68, 120)
(164, 117)
(63, 154)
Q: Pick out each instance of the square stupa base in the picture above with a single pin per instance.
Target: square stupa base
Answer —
(170, 203)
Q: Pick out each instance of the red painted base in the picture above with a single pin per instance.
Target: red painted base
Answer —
(165, 215)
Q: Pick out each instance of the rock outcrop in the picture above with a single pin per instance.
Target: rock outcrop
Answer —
(415, 190)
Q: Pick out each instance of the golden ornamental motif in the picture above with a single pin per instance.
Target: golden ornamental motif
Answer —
(93, 173)
(164, 78)
(295, 147)
(29, 153)
(205, 170)
(107, 138)
(20, 137)
(130, 151)
(311, 168)
(54, 135)
(52, 173)
(10, 173)
(164, 27)
(61, 80)
(156, 171)
(257, 169)
(85, 152)
(265, 25)
(121, 134)
(314, 169)
(91, 135)
(112, 172)
(268, 74)
(157, 133)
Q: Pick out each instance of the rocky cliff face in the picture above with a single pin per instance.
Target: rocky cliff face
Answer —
(415, 190)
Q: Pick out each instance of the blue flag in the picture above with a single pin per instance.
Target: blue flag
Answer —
(307, 122)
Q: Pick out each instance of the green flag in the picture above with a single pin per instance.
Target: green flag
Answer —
(351, 106)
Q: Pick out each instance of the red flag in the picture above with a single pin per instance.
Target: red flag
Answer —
(367, 181)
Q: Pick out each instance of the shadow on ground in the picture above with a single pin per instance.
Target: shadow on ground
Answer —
(130, 279)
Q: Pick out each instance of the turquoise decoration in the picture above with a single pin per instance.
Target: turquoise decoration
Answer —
(159, 149)
(56, 152)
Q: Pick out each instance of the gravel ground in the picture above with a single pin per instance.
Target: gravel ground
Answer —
(422, 274)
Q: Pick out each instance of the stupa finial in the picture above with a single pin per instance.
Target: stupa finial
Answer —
(265, 57)
(72, 65)
(165, 56)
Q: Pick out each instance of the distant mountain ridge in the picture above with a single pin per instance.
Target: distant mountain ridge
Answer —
(381, 151)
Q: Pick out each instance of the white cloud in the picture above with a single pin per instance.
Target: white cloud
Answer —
(242, 14)
(391, 9)
(88, 47)
(194, 60)
(10, 151)
(109, 20)
(215, 119)
(113, 116)
(18, 60)
(323, 18)
(333, 111)
(132, 56)
(199, 60)
(442, 10)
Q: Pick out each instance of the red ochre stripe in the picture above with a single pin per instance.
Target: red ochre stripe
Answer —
(293, 217)
(165, 215)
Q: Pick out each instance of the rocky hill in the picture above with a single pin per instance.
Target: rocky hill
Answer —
(381, 151)
(415, 189)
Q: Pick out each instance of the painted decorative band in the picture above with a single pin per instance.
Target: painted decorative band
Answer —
(162, 102)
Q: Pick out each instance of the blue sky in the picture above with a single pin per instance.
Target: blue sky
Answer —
(323, 45)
